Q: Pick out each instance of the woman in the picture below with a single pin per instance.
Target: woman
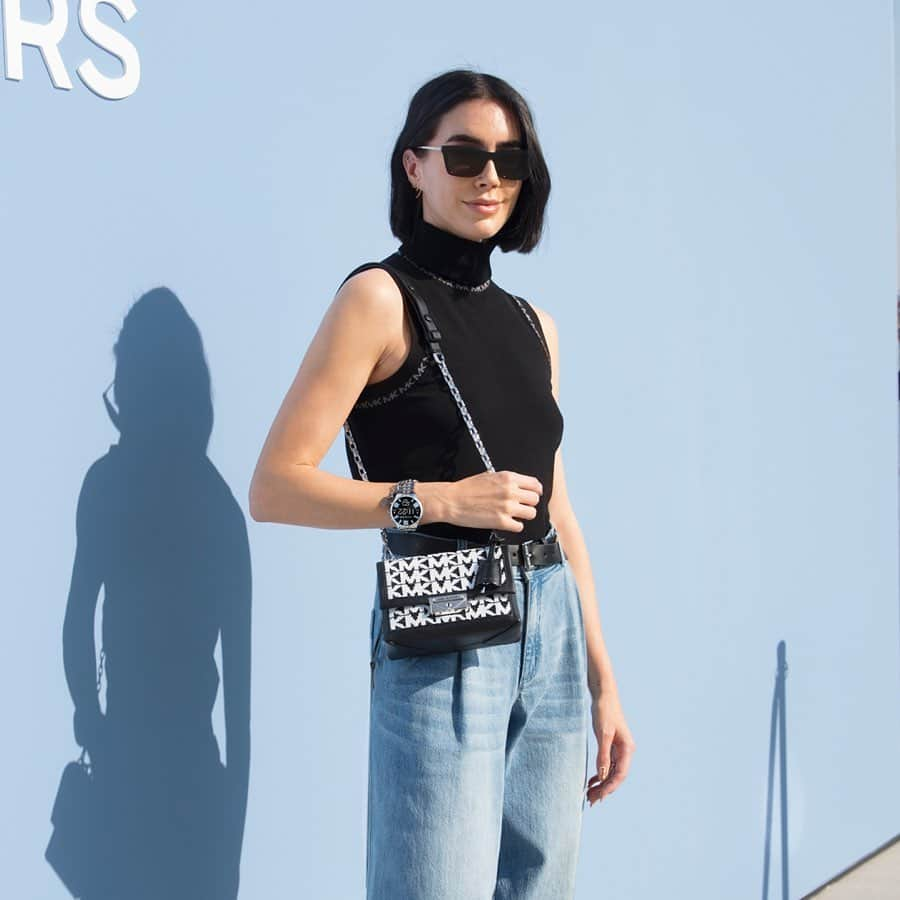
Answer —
(477, 758)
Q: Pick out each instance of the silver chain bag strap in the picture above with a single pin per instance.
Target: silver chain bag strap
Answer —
(448, 600)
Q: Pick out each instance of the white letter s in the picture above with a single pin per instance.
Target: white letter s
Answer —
(108, 39)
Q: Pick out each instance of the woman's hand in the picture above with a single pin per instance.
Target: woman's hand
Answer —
(614, 742)
(89, 726)
(498, 500)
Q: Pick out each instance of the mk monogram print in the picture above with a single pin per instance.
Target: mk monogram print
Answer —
(481, 608)
(429, 574)
(397, 391)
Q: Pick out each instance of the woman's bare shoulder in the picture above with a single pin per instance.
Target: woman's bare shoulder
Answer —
(373, 287)
(373, 300)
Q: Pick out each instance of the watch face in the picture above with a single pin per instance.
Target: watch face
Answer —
(406, 510)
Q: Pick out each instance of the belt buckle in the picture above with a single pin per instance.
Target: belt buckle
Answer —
(525, 552)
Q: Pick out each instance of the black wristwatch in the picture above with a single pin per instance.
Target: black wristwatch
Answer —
(405, 507)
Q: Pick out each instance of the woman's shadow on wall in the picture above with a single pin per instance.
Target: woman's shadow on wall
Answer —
(160, 530)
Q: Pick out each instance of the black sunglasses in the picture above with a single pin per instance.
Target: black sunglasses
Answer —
(467, 161)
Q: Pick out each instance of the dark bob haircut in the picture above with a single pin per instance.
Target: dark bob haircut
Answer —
(522, 231)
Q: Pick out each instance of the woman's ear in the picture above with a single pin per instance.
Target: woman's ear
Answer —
(410, 164)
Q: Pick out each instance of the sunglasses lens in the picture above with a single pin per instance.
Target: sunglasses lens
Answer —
(512, 163)
(467, 162)
(463, 161)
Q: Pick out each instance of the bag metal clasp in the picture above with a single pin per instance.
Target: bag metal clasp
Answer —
(444, 604)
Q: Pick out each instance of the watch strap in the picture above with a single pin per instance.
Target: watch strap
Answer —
(406, 486)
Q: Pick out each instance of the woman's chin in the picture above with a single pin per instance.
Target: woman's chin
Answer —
(484, 228)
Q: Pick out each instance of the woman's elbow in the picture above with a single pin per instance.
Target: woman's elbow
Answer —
(258, 496)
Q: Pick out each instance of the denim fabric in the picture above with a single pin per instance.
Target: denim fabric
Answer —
(478, 759)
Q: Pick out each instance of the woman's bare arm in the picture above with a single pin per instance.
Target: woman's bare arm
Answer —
(287, 486)
(361, 328)
(562, 515)
(79, 648)
(615, 743)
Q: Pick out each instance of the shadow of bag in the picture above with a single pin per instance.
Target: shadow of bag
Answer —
(71, 851)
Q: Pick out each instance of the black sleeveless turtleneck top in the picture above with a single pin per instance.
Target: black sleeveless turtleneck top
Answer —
(409, 426)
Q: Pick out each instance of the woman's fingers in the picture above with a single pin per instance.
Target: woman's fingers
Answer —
(599, 787)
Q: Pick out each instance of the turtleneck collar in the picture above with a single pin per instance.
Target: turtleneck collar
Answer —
(457, 259)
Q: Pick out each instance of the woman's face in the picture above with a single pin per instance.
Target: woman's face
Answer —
(448, 200)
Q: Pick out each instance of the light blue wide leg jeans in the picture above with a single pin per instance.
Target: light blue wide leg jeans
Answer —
(478, 759)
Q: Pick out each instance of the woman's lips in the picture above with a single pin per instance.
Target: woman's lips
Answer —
(484, 207)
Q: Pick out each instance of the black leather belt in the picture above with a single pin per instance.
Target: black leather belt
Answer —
(529, 554)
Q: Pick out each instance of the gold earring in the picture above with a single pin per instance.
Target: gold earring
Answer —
(418, 193)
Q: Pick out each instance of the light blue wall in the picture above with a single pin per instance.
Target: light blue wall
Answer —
(720, 259)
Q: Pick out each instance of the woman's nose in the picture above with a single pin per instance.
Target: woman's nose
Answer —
(489, 173)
